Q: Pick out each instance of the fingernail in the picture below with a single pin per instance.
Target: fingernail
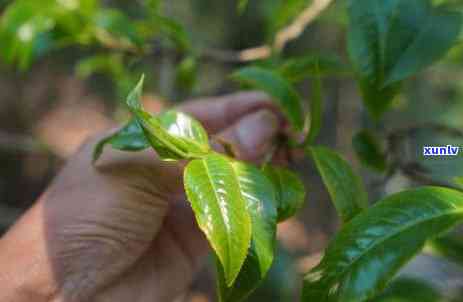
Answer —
(255, 130)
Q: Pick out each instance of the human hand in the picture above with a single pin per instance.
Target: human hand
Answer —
(123, 231)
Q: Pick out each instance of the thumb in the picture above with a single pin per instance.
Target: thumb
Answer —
(252, 136)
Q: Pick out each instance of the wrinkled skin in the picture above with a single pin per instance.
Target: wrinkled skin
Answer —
(122, 230)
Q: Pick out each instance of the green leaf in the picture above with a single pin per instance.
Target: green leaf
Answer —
(298, 68)
(438, 31)
(378, 99)
(24, 31)
(129, 138)
(369, 250)
(282, 92)
(345, 187)
(259, 195)
(393, 39)
(221, 210)
(29, 29)
(316, 110)
(369, 151)
(173, 135)
(409, 290)
(289, 189)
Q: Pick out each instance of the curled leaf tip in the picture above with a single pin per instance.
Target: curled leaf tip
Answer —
(133, 100)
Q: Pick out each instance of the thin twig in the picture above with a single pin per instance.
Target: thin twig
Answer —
(296, 28)
(231, 56)
(283, 37)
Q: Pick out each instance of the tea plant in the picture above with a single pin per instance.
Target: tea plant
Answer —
(238, 205)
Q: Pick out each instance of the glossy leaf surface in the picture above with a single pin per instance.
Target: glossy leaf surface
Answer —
(174, 135)
(344, 186)
(129, 138)
(213, 189)
(278, 88)
(369, 151)
(290, 191)
(373, 246)
(391, 40)
(260, 197)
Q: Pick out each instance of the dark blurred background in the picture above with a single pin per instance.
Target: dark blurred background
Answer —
(53, 97)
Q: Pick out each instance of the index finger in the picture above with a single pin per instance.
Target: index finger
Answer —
(217, 113)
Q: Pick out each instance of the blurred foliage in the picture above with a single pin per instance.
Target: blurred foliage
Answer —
(410, 290)
(280, 283)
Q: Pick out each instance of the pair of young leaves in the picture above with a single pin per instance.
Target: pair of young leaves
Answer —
(236, 204)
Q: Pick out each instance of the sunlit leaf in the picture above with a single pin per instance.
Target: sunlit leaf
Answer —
(345, 187)
(368, 251)
(391, 40)
(173, 135)
(289, 189)
(281, 91)
(369, 150)
(221, 210)
(259, 195)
